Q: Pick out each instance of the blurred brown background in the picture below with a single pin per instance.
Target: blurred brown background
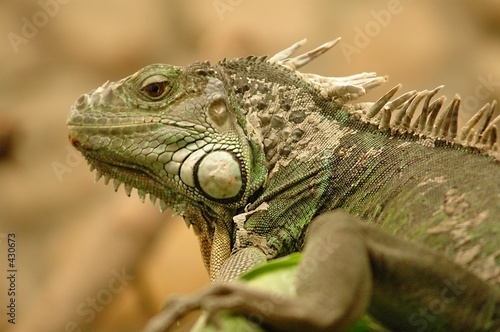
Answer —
(90, 259)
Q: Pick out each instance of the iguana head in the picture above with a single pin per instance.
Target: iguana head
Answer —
(168, 131)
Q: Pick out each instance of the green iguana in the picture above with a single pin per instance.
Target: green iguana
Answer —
(395, 210)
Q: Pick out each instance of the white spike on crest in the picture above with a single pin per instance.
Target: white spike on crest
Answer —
(282, 58)
(282, 55)
(473, 122)
(377, 106)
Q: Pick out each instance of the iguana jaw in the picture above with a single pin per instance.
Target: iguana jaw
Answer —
(131, 176)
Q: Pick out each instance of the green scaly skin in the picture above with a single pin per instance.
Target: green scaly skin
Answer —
(258, 139)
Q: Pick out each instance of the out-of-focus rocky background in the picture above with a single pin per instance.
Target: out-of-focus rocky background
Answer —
(90, 259)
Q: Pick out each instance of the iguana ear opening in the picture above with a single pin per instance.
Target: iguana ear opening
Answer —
(218, 113)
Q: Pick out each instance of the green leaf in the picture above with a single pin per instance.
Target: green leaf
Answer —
(278, 276)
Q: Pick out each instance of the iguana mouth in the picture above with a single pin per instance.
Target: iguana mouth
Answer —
(131, 176)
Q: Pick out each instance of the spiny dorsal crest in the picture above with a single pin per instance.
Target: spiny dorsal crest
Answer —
(412, 113)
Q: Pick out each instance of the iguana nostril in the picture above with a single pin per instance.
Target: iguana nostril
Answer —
(76, 143)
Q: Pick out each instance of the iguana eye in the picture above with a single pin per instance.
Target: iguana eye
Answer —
(155, 86)
(155, 90)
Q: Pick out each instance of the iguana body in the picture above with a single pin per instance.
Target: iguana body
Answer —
(256, 139)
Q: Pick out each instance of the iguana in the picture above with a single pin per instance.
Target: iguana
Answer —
(396, 211)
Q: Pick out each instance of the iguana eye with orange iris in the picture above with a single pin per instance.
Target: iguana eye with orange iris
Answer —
(155, 90)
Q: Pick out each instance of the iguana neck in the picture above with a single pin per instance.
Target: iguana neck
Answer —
(342, 163)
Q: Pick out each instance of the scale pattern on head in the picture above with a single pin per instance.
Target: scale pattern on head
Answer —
(167, 131)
